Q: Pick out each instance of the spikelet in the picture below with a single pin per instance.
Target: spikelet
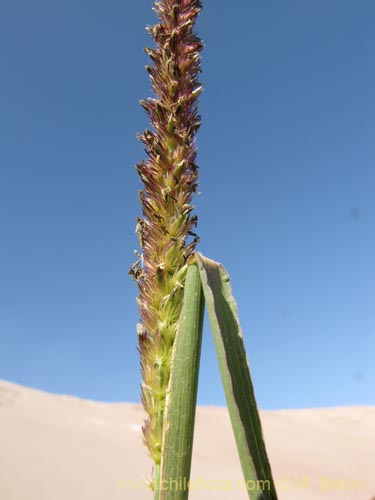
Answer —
(169, 174)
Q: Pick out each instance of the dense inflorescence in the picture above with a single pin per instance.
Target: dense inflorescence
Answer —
(169, 175)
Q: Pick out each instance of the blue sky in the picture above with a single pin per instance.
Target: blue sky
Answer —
(287, 180)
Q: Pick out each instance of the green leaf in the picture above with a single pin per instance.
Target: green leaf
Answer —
(179, 415)
(235, 374)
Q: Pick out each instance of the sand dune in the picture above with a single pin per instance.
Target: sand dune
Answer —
(61, 447)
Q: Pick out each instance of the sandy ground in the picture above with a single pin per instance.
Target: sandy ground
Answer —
(61, 447)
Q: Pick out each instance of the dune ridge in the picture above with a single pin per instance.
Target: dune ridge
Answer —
(55, 447)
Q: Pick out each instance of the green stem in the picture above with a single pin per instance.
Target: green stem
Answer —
(157, 482)
(181, 400)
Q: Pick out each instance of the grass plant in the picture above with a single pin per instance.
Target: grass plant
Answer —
(175, 283)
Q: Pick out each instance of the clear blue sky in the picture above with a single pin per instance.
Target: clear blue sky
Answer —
(286, 155)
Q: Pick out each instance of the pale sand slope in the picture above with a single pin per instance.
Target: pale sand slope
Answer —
(61, 447)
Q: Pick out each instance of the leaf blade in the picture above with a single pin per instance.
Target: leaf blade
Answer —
(179, 416)
(235, 374)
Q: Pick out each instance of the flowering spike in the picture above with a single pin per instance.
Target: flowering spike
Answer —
(169, 175)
